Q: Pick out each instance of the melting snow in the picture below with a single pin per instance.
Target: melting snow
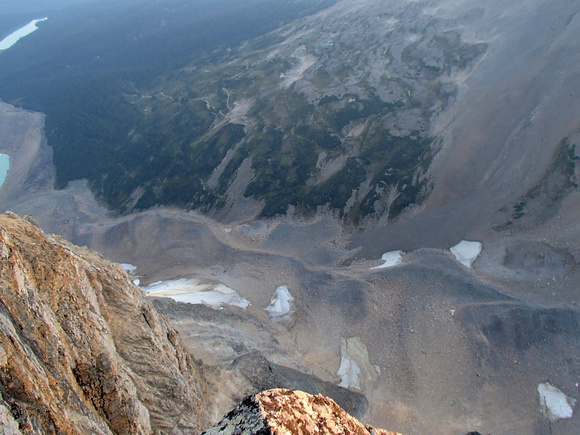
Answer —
(348, 372)
(355, 368)
(555, 404)
(280, 305)
(193, 292)
(390, 259)
(128, 267)
(466, 252)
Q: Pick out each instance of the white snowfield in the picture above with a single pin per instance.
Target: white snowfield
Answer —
(281, 303)
(355, 369)
(14, 37)
(390, 259)
(466, 252)
(194, 292)
(555, 404)
(128, 267)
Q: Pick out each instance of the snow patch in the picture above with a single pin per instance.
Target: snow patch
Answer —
(466, 252)
(281, 303)
(390, 259)
(355, 368)
(128, 267)
(194, 292)
(555, 404)
(348, 372)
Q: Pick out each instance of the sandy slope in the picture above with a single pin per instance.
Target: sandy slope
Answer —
(513, 110)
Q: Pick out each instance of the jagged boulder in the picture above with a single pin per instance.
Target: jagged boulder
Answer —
(282, 411)
(81, 349)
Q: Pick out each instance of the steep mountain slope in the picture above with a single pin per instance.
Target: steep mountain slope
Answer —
(336, 111)
(332, 110)
(341, 109)
(430, 342)
(82, 350)
(515, 115)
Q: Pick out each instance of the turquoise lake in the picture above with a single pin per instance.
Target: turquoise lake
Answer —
(4, 166)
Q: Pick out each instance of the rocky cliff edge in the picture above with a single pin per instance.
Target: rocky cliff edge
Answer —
(81, 349)
(285, 412)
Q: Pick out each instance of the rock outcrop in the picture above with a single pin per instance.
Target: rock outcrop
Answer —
(81, 350)
(283, 411)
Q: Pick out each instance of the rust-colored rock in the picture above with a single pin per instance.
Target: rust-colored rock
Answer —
(288, 412)
(81, 350)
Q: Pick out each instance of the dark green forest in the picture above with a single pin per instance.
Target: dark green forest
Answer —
(137, 94)
(88, 57)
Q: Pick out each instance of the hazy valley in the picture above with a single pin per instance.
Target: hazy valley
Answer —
(313, 149)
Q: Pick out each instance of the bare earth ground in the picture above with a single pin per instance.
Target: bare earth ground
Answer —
(465, 349)
(446, 346)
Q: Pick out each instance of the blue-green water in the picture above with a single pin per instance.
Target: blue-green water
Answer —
(14, 37)
(4, 166)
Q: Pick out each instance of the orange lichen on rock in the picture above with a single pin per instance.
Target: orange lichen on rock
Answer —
(81, 349)
(296, 412)
(289, 412)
